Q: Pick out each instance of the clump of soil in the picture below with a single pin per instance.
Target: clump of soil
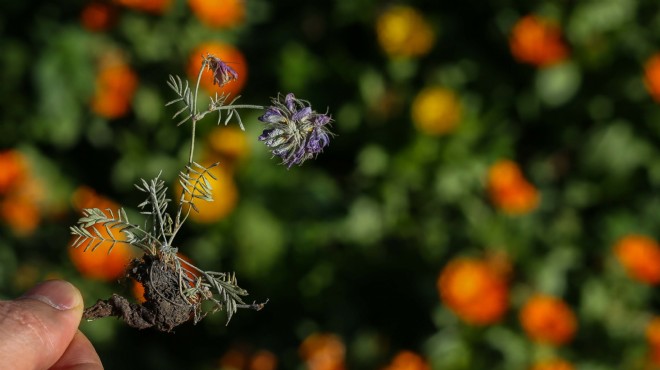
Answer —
(164, 309)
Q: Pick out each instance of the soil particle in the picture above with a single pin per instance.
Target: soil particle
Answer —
(164, 309)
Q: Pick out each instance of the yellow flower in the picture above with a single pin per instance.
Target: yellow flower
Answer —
(436, 111)
(403, 32)
(229, 142)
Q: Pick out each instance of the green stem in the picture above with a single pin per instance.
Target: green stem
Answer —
(194, 118)
(240, 106)
(228, 107)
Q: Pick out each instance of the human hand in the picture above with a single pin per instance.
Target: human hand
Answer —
(39, 330)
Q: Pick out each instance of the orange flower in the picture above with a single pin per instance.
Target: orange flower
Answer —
(234, 359)
(640, 257)
(115, 86)
(653, 332)
(547, 319)
(22, 205)
(652, 76)
(323, 352)
(473, 290)
(407, 360)
(224, 193)
(219, 13)
(556, 364)
(509, 190)
(537, 41)
(403, 32)
(228, 54)
(436, 111)
(97, 16)
(653, 360)
(85, 197)
(21, 214)
(151, 6)
(13, 169)
(263, 360)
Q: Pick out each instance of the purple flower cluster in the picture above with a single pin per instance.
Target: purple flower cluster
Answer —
(295, 132)
(222, 73)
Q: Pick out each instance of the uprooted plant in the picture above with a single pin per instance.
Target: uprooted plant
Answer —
(175, 288)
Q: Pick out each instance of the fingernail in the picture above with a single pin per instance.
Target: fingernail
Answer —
(58, 294)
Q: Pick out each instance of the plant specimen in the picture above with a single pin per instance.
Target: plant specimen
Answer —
(175, 289)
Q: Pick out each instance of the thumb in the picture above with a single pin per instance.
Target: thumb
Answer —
(37, 328)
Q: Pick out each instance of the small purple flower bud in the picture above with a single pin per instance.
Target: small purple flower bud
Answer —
(295, 132)
(222, 73)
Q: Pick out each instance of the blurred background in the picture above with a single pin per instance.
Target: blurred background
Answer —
(490, 200)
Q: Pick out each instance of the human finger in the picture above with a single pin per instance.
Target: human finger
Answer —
(38, 327)
(80, 355)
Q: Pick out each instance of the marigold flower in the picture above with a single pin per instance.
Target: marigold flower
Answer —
(22, 205)
(323, 352)
(229, 55)
(403, 32)
(13, 171)
(473, 290)
(653, 360)
(652, 76)
(547, 319)
(436, 111)
(97, 16)
(537, 41)
(235, 358)
(509, 190)
(219, 14)
(263, 360)
(115, 86)
(640, 257)
(295, 132)
(653, 332)
(21, 214)
(85, 197)
(555, 364)
(407, 360)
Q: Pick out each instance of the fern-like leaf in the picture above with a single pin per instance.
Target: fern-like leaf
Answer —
(195, 183)
(87, 231)
(185, 95)
(156, 206)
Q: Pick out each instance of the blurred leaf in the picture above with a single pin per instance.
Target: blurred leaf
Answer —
(558, 84)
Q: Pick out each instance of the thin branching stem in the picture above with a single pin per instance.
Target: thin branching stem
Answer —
(161, 220)
(194, 112)
(240, 106)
